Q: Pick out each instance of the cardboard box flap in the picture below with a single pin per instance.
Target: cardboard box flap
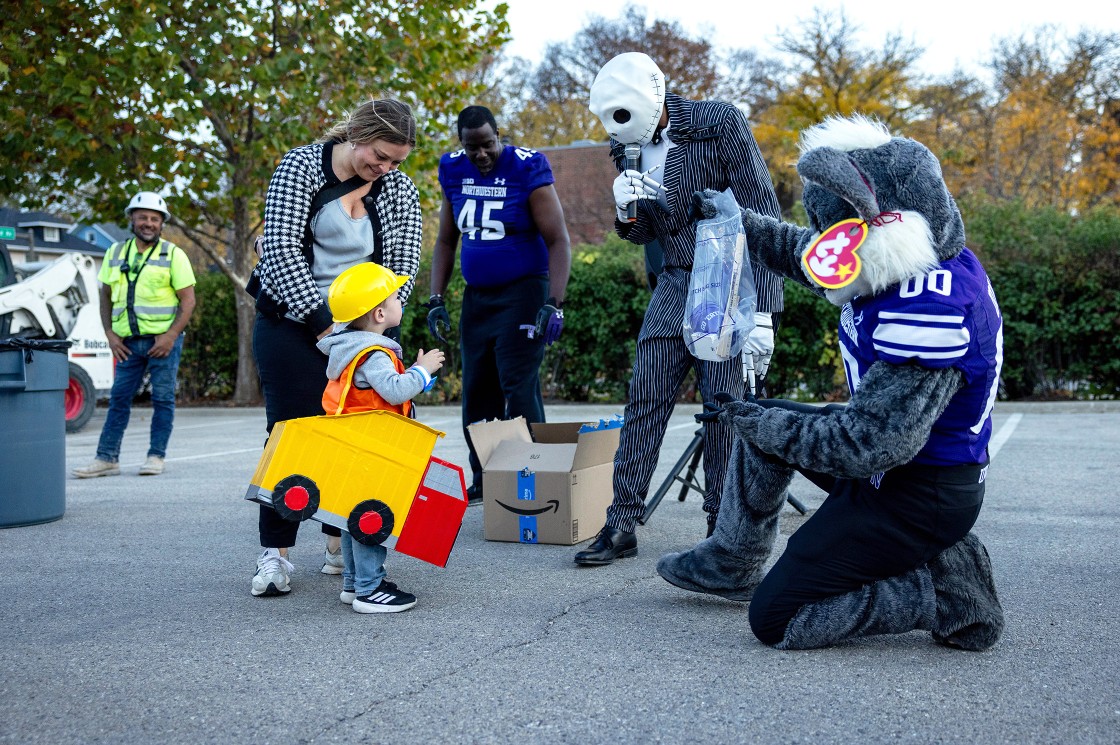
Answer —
(512, 455)
(557, 432)
(595, 448)
(487, 435)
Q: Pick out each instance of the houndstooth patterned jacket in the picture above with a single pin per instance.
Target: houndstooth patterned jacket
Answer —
(283, 270)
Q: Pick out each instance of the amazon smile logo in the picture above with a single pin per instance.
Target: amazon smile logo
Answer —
(553, 506)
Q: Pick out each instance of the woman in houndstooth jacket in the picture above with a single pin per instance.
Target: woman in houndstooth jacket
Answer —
(330, 205)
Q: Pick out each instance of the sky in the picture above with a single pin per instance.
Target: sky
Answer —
(954, 33)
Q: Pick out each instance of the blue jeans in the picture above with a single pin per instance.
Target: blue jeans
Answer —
(363, 567)
(127, 379)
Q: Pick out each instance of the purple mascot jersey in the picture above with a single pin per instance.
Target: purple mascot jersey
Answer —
(500, 241)
(947, 318)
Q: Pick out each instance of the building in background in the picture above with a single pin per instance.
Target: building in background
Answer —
(584, 177)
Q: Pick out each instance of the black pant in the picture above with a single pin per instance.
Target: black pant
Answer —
(293, 375)
(862, 534)
(501, 364)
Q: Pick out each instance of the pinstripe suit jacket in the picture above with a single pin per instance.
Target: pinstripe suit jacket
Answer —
(730, 159)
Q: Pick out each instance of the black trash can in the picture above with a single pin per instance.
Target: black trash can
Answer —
(34, 375)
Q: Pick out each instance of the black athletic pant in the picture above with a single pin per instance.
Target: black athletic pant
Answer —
(865, 532)
(501, 364)
(293, 375)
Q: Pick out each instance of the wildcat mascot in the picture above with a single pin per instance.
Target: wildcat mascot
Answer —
(890, 549)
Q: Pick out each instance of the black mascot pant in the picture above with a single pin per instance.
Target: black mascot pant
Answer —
(867, 530)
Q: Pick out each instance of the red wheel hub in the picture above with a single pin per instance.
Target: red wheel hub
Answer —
(296, 498)
(74, 399)
(370, 522)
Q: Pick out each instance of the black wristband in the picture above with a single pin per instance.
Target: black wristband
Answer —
(558, 304)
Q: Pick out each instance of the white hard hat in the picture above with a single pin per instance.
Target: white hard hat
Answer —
(627, 96)
(147, 200)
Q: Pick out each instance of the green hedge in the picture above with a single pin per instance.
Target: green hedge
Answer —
(208, 368)
(1056, 276)
(1057, 280)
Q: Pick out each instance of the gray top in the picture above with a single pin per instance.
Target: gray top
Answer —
(341, 242)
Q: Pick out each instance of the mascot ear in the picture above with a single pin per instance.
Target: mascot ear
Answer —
(837, 172)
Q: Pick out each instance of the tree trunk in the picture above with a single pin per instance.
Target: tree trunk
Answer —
(247, 391)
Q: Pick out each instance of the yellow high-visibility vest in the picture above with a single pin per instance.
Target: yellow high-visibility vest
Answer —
(144, 302)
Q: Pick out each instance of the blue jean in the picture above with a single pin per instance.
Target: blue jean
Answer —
(363, 567)
(127, 379)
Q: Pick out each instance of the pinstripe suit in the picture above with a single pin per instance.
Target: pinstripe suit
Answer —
(729, 157)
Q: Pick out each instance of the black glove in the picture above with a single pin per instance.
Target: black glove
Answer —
(713, 410)
(550, 322)
(438, 316)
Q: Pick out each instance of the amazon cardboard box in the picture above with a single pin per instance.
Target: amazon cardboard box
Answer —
(552, 485)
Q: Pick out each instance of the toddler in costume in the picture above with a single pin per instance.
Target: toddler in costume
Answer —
(366, 374)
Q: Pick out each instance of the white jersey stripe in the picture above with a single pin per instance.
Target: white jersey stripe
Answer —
(922, 336)
(923, 317)
(924, 354)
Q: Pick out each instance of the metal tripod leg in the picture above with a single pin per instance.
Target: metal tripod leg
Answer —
(695, 452)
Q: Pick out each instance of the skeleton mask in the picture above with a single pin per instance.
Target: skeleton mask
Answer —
(627, 96)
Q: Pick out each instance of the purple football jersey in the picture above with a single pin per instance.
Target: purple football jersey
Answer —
(500, 241)
(947, 318)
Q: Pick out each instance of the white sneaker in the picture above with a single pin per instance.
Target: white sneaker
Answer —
(272, 574)
(98, 468)
(332, 563)
(153, 466)
(347, 597)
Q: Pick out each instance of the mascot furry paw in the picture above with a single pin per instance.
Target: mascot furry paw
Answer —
(904, 462)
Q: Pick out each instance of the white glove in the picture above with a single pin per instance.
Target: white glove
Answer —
(760, 343)
(631, 186)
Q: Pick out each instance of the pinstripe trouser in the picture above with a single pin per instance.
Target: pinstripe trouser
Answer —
(660, 366)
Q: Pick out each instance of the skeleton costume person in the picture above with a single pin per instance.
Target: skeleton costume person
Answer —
(684, 146)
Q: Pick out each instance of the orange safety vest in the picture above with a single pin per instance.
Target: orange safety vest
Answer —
(341, 397)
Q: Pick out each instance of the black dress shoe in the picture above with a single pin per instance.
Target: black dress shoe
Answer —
(609, 545)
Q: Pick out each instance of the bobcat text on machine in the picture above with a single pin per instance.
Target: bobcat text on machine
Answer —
(371, 474)
(59, 300)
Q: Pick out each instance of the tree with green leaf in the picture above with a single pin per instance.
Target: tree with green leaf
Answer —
(199, 99)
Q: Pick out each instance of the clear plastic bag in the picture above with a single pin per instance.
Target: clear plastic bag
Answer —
(719, 310)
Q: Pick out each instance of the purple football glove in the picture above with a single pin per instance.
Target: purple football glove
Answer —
(550, 322)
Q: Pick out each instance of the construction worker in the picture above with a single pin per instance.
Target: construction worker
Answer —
(147, 297)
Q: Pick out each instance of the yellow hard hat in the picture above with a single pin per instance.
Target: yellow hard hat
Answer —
(360, 289)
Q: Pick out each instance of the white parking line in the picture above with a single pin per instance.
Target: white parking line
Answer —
(213, 455)
(222, 423)
(1004, 434)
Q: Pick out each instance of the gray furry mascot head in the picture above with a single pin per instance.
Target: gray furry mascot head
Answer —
(921, 339)
(854, 168)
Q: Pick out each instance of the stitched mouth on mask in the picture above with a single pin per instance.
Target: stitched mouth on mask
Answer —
(554, 506)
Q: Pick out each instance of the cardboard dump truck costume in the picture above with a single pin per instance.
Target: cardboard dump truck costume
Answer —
(371, 474)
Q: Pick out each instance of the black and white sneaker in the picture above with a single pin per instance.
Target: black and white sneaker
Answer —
(387, 598)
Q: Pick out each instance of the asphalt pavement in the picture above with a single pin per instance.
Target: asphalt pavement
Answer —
(130, 620)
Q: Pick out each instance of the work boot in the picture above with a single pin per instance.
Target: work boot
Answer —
(98, 468)
(153, 466)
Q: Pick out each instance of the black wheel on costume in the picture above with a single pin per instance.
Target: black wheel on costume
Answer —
(295, 498)
(371, 522)
(79, 399)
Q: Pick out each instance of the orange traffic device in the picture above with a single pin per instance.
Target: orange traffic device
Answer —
(371, 474)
